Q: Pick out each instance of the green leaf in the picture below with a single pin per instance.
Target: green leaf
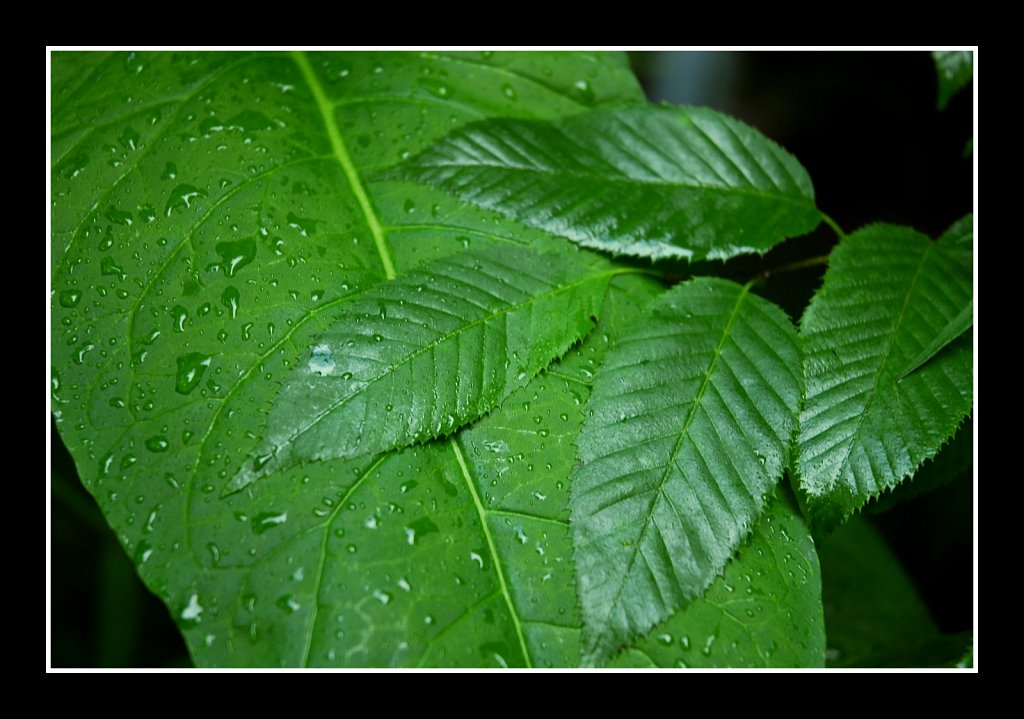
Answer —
(764, 611)
(887, 293)
(954, 69)
(211, 216)
(432, 349)
(686, 433)
(953, 460)
(645, 181)
(873, 614)
(960, 323)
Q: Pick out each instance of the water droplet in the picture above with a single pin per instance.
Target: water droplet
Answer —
(421, 527)
(236, 255)
(268, 520)
(288, 603)
(118, 217)
(143, 552)
(192, 610)
(508, 91)
(157, 444)
(249, 121)
(180, 315)
(183, 196)
(706, 651)
(191, 368)
(584, 91)
(230, 298)
(70, 298)
(436, 87)
(129, 139)
(109, 267)
(305, 226)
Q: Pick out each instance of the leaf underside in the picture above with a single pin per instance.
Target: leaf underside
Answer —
(686, 433)
(434, 348)
(888, 293)
(646, 181)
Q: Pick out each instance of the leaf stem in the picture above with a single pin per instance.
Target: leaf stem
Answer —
(794, 266)
(833, 224)
(638, 271)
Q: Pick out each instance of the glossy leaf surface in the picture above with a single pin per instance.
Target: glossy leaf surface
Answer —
(434, 348)
(888, 293)
(764, 611)
(211, 219)
(686, 433)
(646, 181)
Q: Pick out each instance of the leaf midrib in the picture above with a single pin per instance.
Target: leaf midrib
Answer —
(622, 179)
(462, 329)
(679, 443)
(873, 392)
(376, 228)
(345, 160)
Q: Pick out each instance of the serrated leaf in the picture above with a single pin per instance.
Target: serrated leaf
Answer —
(954, 69)
(764, 611)
(211, 214)
(435, 348)
(686, 433)
(455, 553)
(887, 294)
(960, 323)
(953, 460)
(645, 181)
(873, 614)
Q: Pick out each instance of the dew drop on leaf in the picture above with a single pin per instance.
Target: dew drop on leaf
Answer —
(191, 368)
(157, 444)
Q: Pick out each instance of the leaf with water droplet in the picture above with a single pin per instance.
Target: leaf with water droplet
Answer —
(210, 211)
(658, 182)
(669, 480)
(433, 356)
(753, 616)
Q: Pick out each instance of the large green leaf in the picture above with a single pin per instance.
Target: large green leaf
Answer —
(432, 349)
(211, 217)
(873, 614)
(645, 181)
(888, 293)
(955, 69)
(686, 433)
(764, 611)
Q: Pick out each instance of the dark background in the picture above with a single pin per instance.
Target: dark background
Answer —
(866, 127)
